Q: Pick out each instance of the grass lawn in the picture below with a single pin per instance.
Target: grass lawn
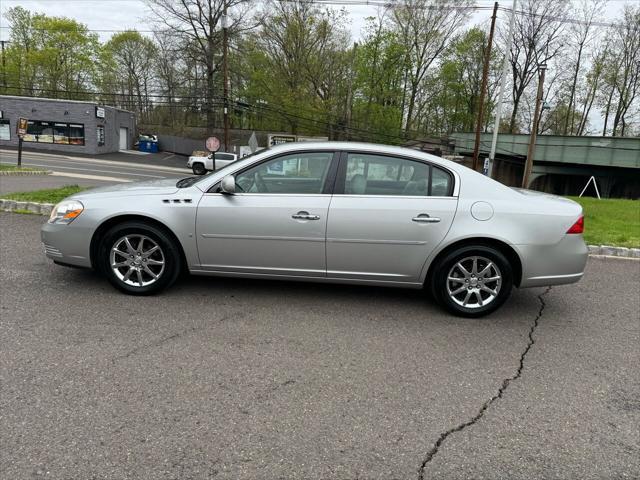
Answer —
(611, 221)
(51, 195)
(12, 168)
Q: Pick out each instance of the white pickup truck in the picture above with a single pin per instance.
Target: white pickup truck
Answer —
(202, 163)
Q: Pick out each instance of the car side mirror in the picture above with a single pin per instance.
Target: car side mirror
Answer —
(228, 185)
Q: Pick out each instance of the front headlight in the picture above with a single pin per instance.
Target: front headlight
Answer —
(66, 211)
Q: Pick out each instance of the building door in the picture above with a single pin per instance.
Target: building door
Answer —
(124, 136)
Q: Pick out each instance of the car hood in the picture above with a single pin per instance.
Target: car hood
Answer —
(164, 186)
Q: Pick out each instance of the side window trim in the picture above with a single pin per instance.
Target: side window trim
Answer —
(327, 188)
(342, 173)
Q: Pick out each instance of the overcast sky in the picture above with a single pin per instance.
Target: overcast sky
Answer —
(131, 14)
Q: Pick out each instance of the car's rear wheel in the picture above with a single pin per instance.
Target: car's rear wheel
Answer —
(472, 281)
(139, 258)
(198, 169)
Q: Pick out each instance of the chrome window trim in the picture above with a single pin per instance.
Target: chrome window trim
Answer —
(267, 154)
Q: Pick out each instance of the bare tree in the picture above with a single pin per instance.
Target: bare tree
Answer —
(628, 63)
(537, 40)
(199, 23)
(425, 28)
(593, 81)
(580, 34)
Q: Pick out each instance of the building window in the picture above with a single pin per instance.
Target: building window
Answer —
(61, 133)
(100, 135)
(5, 130)
(49, 132)
(76, 134)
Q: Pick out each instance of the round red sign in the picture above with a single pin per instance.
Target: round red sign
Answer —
(213, 144)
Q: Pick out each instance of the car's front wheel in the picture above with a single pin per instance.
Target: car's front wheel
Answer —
(198, 169)
(139, 258)
(472, 281)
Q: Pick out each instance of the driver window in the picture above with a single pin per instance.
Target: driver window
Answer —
(302, 173)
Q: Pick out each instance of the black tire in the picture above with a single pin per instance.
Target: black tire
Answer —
(439, 281)
(198, 169)
(168, 252)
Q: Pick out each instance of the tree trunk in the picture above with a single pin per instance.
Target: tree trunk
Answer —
(570, 113)
(606, 115)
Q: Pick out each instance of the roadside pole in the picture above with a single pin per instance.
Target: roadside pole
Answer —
(503, 85)
(21, 130)
(534, 129)
(225, 74)
(483, 88)
(20, 151)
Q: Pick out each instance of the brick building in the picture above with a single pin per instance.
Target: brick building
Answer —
(70, 126)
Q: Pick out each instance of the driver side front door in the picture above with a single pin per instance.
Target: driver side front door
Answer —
(275, 224)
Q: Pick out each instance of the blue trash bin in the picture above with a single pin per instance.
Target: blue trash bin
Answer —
(148, 146)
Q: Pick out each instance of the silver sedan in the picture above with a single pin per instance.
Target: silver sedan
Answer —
(328, 212)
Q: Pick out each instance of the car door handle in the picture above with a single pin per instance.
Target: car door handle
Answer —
(425, 218)
(305, 216)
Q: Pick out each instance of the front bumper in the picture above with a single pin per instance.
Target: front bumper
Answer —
(67, 244)
(559, 264)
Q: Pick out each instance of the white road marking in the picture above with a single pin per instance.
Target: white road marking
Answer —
(30, 164)
(103, 162)
(133, 152)
(89, 177)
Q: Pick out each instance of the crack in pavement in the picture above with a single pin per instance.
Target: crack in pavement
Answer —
(148, 346)
(505, 384)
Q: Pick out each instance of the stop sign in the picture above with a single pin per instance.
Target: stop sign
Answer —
(213, 144)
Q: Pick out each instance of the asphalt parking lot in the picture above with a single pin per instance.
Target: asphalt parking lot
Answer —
(249, 379)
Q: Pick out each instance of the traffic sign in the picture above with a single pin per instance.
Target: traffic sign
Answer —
(212, 144)
(22, 127)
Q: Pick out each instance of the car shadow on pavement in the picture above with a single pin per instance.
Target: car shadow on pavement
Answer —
(389, 302)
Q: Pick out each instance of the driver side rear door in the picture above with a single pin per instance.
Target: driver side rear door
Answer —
(275, 224)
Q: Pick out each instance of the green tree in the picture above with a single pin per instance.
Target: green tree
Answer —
(378, 87)
(50, 56)
(297, 68)
(133, 58)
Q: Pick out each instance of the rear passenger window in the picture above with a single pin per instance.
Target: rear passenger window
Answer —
(440, 182)
(368, 174)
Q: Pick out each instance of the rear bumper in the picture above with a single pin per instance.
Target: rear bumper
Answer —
(558, 264)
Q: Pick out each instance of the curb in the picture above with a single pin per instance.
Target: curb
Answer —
(23, 173)
(45, 209)
(31, 207)
(608, 251)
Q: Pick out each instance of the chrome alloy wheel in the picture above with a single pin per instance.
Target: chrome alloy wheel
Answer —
(137, 260)
(474, 282)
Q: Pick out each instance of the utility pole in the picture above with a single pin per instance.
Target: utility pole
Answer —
(225, 74)
(534, 128)
(483, 89)
(503, 85)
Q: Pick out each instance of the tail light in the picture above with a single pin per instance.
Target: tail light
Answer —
(577, 227)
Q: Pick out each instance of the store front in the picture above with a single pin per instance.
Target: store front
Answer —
(66, 125)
